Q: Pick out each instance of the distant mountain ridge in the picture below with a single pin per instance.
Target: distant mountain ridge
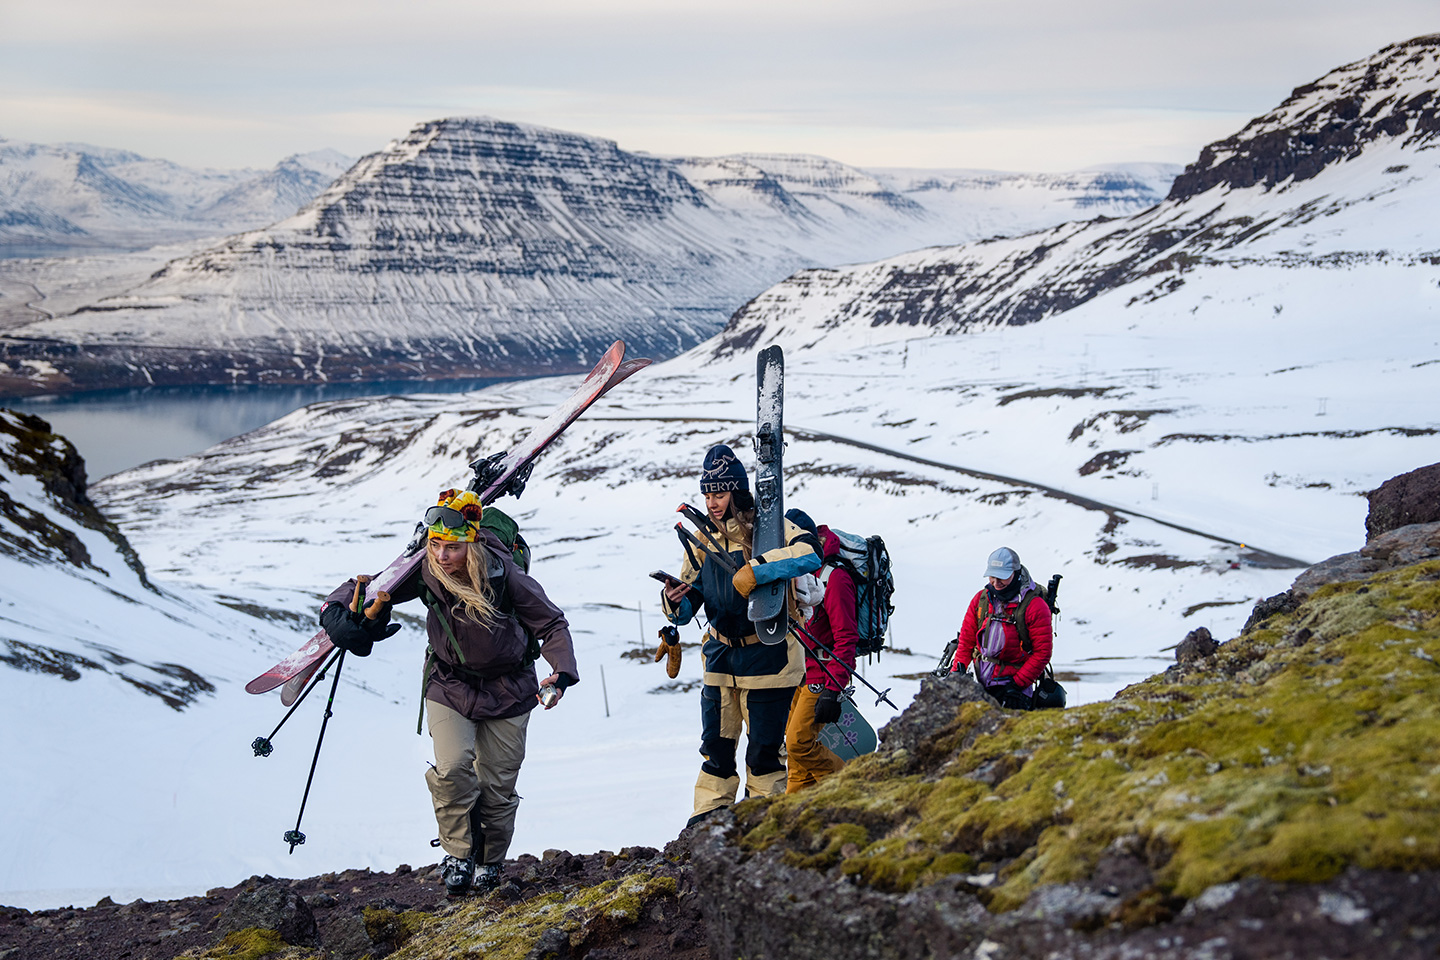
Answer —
(1340, 174)
(63, 199)
(479, 247)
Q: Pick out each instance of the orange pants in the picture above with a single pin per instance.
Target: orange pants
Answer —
(808, 758)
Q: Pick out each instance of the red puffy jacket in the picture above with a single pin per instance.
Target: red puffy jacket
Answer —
(834, 623)
(1024, 668)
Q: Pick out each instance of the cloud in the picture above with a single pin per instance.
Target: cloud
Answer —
(910, 81)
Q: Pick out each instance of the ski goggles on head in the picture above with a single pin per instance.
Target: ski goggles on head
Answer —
(456, 517)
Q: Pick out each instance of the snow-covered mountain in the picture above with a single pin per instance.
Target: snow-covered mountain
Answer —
(66, 199)
(1339, 178)
(1176, 455)
(476, 247)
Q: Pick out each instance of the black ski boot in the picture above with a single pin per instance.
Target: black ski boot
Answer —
(458, 875)
(487, 878)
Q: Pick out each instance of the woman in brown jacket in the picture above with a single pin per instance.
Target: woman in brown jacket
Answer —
(488, 622)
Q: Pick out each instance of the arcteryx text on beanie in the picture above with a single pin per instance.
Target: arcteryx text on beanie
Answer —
(722, 471)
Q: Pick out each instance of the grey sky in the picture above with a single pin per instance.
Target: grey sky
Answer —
(1020, 85)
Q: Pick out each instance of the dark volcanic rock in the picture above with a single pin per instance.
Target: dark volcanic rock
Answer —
(1412, 497)
(1396, 548)
(1405, 545)
(1197, 645)
(1337, 569)
(1269, 607)
(270, 904)
(932, 709)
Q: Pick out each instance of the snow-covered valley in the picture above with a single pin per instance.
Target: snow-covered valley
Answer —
(1175, 425)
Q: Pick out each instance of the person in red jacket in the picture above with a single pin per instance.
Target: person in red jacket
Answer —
(1008, 661)
(817, 700)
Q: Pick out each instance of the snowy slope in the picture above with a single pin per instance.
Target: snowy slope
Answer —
(476, 247)
(72, 198)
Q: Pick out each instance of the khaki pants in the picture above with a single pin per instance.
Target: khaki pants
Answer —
(476, 765)
(724, 711)
(809, 758)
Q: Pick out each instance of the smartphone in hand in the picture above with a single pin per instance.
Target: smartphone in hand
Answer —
(671, 582)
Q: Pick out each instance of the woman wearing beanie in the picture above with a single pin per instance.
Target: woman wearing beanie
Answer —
(488, 623)
(748, 684)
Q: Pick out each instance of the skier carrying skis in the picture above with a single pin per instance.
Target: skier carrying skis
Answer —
(746, 683)
(486, 619)
(1006, 632)
(817, 700)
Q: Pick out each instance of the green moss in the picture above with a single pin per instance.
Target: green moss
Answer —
(1299, 749)
(251, 943)
(390, 926)
(475, 930)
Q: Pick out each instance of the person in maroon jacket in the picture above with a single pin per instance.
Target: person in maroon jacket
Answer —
(817, 700)
(1008, 662)
(480, 678)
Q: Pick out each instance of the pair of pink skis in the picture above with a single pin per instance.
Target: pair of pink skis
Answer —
(297, 669)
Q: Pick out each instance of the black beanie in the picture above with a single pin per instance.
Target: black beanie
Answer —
(722, 471)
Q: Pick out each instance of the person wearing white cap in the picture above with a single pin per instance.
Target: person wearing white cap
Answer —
(1006, 633)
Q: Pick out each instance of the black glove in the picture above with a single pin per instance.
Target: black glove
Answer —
(354, 632)
(827, 707)
(1009, 695)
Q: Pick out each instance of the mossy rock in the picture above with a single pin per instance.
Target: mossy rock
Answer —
(554, 923)
(252, 943)
(392, 928)
(1293, 752)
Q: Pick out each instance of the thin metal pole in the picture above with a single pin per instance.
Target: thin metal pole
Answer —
(603, 692)
(295, 837)
(262, 745)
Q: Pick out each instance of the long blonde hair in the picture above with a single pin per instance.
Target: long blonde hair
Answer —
(473, 593)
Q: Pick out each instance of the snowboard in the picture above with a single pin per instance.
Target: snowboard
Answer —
(852, 735)
(494, 476)
(767, 609)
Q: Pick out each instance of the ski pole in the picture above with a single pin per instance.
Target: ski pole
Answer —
(721, 557)
(701, 522)
(881, 695)
(295, 837)
(947, 659)
(845, 688)
(262, 745)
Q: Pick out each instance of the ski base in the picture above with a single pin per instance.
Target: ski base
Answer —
(851, 736)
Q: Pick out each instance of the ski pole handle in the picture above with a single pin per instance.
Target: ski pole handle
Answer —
(377, 606)
(357, 603)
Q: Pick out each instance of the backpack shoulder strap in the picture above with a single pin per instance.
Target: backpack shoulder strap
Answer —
(1021, 626)
(438, 608)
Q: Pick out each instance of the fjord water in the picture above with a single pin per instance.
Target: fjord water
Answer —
(115, 430)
